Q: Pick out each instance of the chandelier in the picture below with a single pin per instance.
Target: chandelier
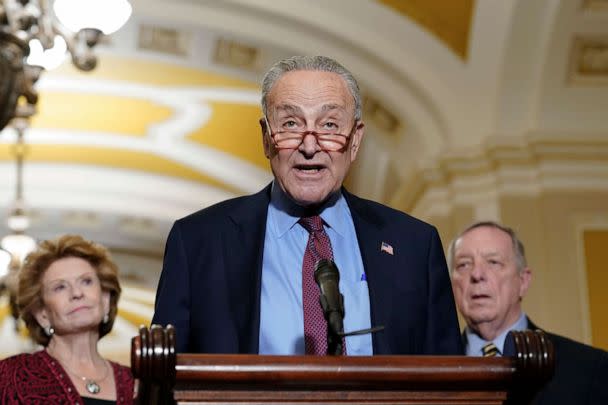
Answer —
(37, 35)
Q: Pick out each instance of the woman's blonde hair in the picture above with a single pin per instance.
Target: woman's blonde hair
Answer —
(29, 292)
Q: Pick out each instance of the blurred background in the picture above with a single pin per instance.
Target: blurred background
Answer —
(474, 110)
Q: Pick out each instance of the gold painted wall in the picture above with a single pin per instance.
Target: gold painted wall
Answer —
(449, 21)
(97, 112)
(551, 226)
(596, 257)
(525, 215)
(448, 228)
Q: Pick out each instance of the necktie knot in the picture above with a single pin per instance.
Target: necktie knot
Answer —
(489, 350)
(312, 224)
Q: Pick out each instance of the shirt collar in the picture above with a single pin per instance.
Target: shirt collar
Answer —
(476, 342)
(285, 213)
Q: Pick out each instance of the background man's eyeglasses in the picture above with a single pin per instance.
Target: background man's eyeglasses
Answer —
(293, 138)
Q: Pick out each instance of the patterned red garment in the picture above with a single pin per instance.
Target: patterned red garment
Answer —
(38, 378)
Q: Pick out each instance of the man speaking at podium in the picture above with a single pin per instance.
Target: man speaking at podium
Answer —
(238, 277)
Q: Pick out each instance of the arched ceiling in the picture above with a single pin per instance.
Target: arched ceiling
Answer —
(126, 122)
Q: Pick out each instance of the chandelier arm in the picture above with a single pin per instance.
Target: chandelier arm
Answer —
(12, 50)
(10, 9)
(46, 25)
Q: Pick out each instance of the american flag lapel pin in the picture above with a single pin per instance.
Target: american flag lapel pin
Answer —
(386, 248)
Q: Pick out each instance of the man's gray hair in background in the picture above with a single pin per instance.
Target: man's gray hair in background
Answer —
(314, 63)
(518, 246)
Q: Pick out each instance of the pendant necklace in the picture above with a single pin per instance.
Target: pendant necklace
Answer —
(90, 384)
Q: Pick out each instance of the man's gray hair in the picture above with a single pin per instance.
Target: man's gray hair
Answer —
(318, 63)
(518, 246)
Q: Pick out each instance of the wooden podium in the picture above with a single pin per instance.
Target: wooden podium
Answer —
(166, 377)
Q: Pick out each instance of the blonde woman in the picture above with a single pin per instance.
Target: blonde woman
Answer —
(67, 295)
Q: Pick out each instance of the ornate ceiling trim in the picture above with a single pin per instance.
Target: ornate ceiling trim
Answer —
(186, 132)
(536, 163)
(112, 158)
(589, 60)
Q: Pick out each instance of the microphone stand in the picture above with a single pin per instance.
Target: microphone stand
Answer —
(334, 343)
(334, 340)
(335, 328)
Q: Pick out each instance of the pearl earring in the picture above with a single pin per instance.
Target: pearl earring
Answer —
(106, 318)
(49, 331)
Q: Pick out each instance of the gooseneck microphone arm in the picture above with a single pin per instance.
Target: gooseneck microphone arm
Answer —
(327, 277)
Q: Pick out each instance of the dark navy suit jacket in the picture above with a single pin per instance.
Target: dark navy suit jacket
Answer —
(581, 374)
(211, 280)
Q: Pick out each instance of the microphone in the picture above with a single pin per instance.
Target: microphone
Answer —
(327, 277)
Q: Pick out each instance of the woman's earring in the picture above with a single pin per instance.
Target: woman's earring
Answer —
(106, 318)
(49, 331)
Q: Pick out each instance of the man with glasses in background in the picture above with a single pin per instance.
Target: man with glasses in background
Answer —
(238, 277)
(490, 277)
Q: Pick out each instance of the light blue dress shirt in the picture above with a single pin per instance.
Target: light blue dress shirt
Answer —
(281, 314)
(475, 342)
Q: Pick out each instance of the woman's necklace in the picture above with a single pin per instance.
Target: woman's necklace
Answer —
(90, 384)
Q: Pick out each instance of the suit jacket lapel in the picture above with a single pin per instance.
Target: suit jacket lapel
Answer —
(532, 325)
(376, 264)
(244, 253)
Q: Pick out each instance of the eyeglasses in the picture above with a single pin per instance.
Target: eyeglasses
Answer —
(293, 138)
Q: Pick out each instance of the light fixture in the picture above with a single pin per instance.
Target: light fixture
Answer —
(34, 35)
(105, 15)
(17, 242)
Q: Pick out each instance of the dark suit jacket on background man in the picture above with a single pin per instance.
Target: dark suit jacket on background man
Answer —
(581, 374)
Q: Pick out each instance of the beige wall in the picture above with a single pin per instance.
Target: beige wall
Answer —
(567, 259)
(565, 217)
(524, 214)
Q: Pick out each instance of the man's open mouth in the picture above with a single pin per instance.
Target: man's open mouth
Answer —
(309, 168)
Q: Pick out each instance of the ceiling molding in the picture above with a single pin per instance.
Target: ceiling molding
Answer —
(164, 40)
(589, 61)
(530, 165)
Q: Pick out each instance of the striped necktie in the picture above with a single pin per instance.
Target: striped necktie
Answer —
(489, 350)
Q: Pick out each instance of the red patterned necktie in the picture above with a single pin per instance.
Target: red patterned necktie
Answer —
(315, 325)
